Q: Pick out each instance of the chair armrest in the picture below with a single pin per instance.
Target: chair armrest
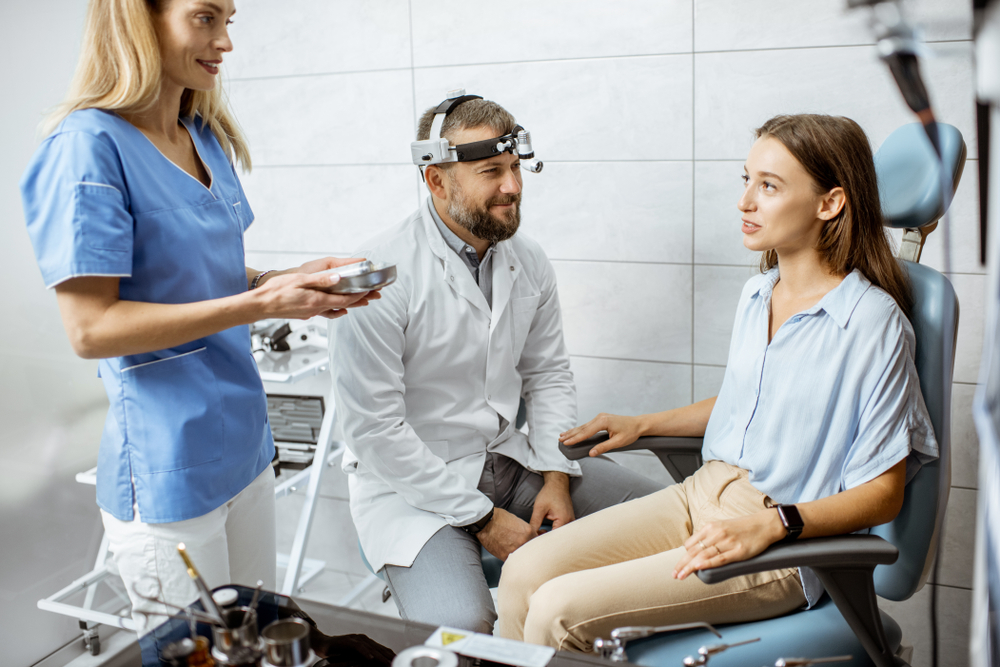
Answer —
(819, 552)
(845, 564)
(654, 443)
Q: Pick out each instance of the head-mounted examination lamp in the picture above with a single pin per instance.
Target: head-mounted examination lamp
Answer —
(438, 150)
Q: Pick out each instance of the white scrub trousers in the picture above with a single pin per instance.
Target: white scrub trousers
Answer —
(232, 544)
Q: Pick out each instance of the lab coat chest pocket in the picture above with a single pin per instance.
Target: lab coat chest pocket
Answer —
(522, 313)
(173, 413)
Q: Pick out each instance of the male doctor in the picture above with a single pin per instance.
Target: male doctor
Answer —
(428, 379)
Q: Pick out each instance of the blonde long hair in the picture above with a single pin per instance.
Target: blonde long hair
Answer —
(120, 70)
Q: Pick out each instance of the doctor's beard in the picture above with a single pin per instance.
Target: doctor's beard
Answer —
(480, 222)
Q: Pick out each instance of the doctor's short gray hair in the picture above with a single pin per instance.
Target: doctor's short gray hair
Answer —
(474, 113)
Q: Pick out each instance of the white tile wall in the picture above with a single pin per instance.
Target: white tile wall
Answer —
(336, 119)
(626, 311)
(733, 25)
(971, 301)
(736, 92)
(717, 293)
(274, 39)
(960, 522)
(629, 387)
(707, 381)
(263, 260)
(717, 235)
(575, 109)
(964, 441)
(454, 32)
(328, 210)
(614, 211)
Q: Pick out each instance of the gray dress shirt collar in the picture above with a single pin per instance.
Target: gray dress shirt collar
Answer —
(481, 269)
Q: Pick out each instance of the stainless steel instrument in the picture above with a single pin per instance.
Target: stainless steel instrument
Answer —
(363, 276)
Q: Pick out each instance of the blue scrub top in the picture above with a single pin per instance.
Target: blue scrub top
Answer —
(187, 428)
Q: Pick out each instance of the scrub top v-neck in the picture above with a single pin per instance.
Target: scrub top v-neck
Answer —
(187, 428)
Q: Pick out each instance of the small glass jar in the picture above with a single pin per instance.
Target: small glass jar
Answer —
(188, 652)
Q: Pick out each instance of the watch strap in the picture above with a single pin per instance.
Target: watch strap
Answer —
(475, 528)
(256, 278)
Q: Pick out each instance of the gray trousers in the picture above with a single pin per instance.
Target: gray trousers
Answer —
(446, 586)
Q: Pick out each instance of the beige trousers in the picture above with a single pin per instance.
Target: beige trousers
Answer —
(615, 568)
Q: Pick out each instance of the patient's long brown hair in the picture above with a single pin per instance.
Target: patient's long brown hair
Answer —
(835, 151)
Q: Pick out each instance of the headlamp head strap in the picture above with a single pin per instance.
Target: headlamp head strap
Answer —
(438, 150)
(444, 110)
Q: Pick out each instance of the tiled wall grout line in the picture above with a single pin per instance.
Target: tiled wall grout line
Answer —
(665, 54)
(694, 203)
(413, 85)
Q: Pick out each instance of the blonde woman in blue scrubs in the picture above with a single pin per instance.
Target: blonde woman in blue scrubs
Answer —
(137, 217)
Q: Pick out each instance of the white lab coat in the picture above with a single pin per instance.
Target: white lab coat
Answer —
(421, 375)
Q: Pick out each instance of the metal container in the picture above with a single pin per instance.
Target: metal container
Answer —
(226, 597)
(286, 644)
(425, 656)
(241, 632)
(362, 277)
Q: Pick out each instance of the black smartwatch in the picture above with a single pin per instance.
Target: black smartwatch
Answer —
(474, 528)
(791, 520)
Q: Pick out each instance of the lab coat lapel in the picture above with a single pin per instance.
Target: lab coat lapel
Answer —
(455, 274)
(506, 269)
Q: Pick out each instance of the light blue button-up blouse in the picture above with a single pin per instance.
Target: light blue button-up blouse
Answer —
(187, 427)
(832, 402)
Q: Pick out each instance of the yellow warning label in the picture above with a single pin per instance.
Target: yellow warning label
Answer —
(450, 638)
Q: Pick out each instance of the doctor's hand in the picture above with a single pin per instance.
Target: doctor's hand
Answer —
(553, 502)
(621, 430)
(505, 533)
(729, 541)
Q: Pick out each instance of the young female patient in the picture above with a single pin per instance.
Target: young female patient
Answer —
(820, 407)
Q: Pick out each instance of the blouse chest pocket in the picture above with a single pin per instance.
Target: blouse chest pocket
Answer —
(242, 215)
(173, 413)
(522, 313)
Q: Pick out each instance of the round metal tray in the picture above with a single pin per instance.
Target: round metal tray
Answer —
(365, 282)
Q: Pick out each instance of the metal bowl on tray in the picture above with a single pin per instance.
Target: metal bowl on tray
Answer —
(362, 276)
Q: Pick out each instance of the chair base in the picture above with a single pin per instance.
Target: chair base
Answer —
(815, 633)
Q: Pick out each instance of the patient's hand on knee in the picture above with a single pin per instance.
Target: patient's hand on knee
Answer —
(505, 533)
(729, 541)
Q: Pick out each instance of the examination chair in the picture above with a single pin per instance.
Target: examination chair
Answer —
(892, 561)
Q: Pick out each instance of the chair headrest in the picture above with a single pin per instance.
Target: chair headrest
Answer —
(909, 181)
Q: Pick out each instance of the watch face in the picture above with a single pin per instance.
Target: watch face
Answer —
(791, 518)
